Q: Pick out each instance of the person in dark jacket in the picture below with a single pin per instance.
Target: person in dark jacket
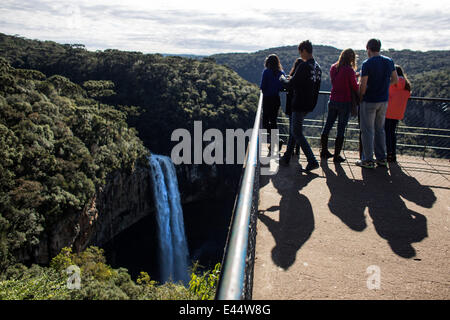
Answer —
(271, 87)
(305, 85)
(288, 109)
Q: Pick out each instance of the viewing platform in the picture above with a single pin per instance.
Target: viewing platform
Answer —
(323, 234)
(341, 231)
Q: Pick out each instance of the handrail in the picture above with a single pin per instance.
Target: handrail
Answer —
(356, 123)
(232, 279)
(435, 99)
(426, 132)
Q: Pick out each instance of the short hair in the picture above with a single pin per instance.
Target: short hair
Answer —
(374, 45)
(305, 45)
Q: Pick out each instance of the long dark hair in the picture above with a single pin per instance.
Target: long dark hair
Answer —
(273, 63)
(347, 58)
(400, 73)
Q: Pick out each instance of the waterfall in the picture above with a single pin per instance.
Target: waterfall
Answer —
(174, 253)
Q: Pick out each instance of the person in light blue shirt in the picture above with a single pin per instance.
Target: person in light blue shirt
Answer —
(377, 74)
(271, 87)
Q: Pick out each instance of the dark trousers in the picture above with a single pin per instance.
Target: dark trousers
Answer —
(340, 111)
(270, 107)
(390, 126)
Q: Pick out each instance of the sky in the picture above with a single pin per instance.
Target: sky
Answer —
(208, 27)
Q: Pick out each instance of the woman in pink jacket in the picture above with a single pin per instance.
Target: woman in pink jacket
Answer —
(343, 81)
(399, 94)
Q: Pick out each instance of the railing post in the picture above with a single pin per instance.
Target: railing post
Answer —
(427, 136)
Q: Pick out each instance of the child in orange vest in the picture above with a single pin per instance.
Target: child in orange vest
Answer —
(399, 94)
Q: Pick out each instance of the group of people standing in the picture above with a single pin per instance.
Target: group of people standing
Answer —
(381, 93)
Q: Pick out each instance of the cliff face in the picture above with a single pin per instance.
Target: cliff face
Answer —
(124, 201)
(206, 182)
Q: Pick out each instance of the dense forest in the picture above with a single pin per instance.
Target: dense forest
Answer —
(166, 92)
(96, 280)
(428, 71)
(69, 117)
(53, 87)
(57, 145)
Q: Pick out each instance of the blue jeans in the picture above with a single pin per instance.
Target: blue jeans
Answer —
(373, 137)
(340, 111)
(296, 135)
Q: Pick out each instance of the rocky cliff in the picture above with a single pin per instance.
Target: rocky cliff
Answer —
(125, 200)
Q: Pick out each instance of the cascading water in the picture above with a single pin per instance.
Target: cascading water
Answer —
(174, 253)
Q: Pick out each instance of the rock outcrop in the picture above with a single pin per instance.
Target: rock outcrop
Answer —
(123, 201)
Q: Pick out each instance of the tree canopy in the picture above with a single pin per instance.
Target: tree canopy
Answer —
(57, 146)
(429, 71)
(170, 92)
(69, 117)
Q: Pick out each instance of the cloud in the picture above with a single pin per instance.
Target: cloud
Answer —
(154, 27)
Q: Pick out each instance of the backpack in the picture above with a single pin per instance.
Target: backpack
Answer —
(316, 78)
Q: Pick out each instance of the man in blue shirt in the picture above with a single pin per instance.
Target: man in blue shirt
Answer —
(377, 74)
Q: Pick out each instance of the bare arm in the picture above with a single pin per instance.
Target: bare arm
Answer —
(362, 86)
(353, 83)
(394, 77)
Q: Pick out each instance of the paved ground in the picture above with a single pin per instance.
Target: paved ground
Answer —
(340, 230)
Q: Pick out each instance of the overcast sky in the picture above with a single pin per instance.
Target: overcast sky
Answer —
(207, 27)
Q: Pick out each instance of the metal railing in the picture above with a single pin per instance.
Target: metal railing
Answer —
(236, 278)
(424, 131)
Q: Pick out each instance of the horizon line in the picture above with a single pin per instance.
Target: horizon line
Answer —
(93, 48)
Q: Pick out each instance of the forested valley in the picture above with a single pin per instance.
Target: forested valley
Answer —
(69, 118)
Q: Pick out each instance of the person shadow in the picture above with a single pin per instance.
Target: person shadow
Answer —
(346, 200)
(392, 219)
(296, 220)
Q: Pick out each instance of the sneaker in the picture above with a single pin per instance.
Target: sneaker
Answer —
(311, 166)
(365, 164)
(382, 163)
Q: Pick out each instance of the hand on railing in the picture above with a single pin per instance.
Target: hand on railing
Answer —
(284, 78)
